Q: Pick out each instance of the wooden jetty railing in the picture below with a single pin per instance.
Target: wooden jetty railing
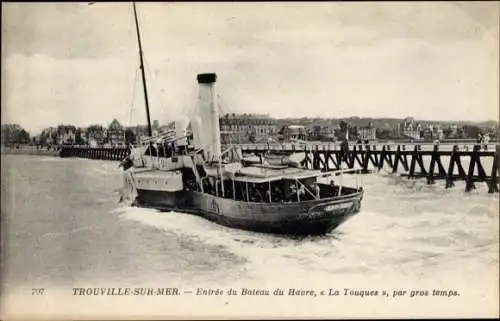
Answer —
(467, 164)
(30, 150)
(104, 153)
(412, 163)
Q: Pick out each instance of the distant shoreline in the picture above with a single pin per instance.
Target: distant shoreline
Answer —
(54, 151)
(30, 150)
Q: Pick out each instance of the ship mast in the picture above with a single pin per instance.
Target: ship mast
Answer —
(150, 133)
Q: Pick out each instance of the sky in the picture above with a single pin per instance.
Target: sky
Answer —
(76, 63)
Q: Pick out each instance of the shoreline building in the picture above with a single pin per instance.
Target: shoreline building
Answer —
(246, 128)
(321, 133)
(432, 132)
(115, 133)
(367, 132)
(95, 135)
(410, 128)
(291, 132)
(65, 134)
(48, 136)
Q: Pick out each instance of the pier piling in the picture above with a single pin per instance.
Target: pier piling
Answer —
(396, 159)
(414, 162)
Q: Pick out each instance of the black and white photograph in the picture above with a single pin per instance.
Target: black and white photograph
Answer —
(249, 160)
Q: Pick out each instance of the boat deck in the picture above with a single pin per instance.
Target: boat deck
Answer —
(148, 172)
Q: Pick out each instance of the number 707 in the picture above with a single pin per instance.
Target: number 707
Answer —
(37, 291)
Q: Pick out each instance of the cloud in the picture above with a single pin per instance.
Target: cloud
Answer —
(76, 30)
(44, 90)
(389, 60)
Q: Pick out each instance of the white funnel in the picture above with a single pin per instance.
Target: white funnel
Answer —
(209, 114)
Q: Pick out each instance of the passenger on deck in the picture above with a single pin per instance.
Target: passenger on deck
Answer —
(302, 192)
(207, 186)
(196, 186)
(276, 196)
(251, 197)
(219, 189)
(254, 194)
(244, 193)
(228, 189)
(161, 151)
(292, 194)
(331, 188)
(268, 195)
(190, 185)
(317, 190)
(182, 149)
(259, 195)
(168, 150)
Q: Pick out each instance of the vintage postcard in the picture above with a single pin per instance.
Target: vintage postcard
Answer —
(250, 160)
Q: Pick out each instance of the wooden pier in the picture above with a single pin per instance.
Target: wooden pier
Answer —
(432, 162)
(103, 153)
(414, 162)
(30, 150)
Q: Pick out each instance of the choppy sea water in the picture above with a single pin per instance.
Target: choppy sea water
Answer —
(62, 227)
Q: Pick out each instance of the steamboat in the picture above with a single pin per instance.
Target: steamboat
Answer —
(192, 174)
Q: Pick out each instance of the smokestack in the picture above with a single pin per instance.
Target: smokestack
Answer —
(209, 114)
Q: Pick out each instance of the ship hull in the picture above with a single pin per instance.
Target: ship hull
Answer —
(305, 218)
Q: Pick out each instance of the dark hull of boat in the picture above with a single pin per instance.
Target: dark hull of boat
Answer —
(306, 218)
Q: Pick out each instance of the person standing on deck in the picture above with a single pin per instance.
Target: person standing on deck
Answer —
(317, 190)
(277, 196)
(292, 194)
(331, 188)
(302, 192)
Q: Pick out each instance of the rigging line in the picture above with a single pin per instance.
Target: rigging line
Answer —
(134, 84)
(219, 104)
(131, 24)
(153, 84)
(132, 107)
